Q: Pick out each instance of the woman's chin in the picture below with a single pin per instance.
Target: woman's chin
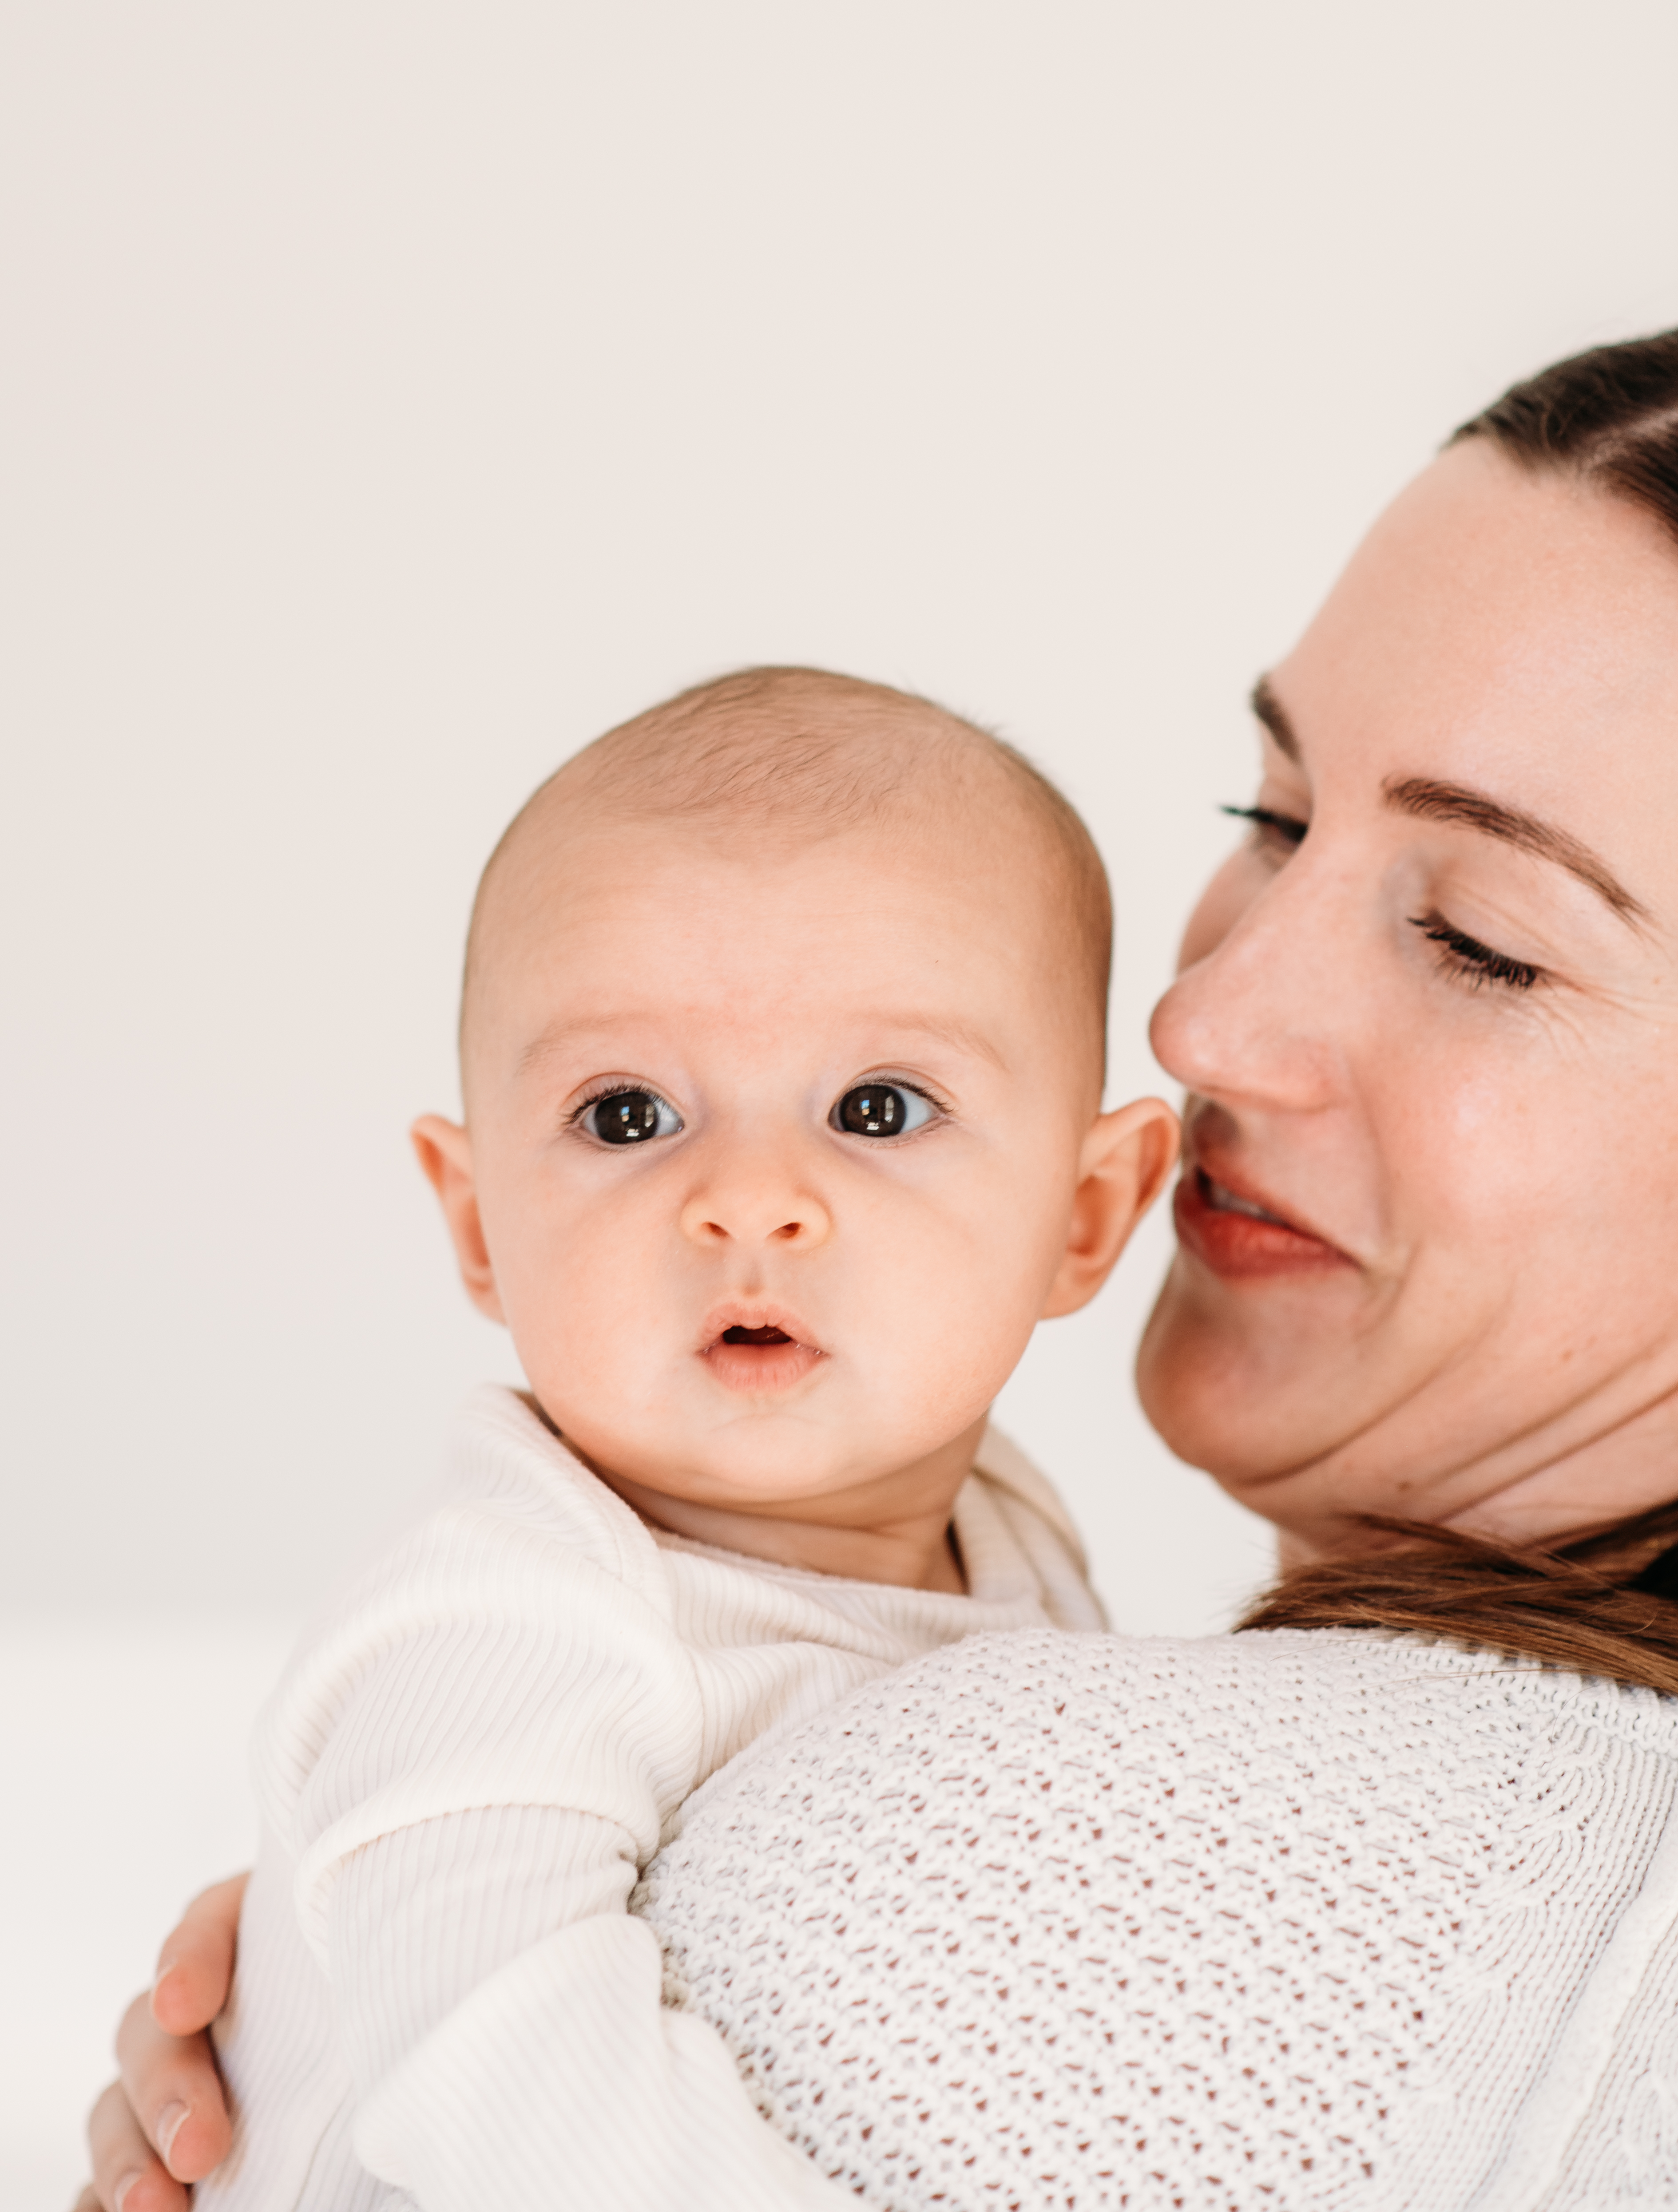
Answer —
(1244, 1388)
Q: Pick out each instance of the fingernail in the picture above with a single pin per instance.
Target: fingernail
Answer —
(119, 2195)
(168, 2126)
(165, 1968)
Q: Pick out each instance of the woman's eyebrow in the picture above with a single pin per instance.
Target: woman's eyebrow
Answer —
(1430, 801)
(1269, 709)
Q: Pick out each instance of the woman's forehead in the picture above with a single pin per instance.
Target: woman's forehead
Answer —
(1510, 633)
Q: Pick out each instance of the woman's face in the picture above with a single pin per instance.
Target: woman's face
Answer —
(1427, 1017)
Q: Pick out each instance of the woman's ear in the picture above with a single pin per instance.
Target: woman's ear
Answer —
(1120, 1171)
(445, 1152)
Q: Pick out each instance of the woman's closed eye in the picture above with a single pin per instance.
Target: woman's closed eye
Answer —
(1273, 832)
(627, 1115)
(882, 1109)
(1477, 965)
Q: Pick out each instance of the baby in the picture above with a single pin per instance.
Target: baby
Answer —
(782, 1054)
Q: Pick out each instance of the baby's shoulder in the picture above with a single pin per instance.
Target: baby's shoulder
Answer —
(524, 1555)
(516, 1513)
(512, 1477)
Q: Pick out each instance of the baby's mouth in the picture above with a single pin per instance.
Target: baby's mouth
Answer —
(759, 1355)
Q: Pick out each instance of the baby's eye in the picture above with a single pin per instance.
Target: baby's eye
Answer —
(625, 1117)
(881, 1109)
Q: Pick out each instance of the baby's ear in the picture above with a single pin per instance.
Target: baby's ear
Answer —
(445, 1152)
(1122, 1169)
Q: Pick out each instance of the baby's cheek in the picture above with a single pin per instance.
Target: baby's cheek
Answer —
(583, 1308)
(971, 1314)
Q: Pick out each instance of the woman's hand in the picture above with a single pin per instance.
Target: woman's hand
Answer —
(165, 2123)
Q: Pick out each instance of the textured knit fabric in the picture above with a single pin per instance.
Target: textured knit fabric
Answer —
(1290, 1921)
(442, 1996)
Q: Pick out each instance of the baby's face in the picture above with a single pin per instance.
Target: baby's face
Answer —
(773, 1163)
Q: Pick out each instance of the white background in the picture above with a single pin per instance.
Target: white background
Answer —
(394, 396)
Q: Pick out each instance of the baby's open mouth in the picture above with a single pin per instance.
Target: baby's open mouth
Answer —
(763, 1355)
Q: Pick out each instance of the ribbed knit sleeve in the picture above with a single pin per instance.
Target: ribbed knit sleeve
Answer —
(502, 2019)
(463, 1775)
(512, 1721)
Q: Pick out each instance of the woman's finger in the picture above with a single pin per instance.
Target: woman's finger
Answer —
(127, 2176)
(195, 1966)
(174, 2094)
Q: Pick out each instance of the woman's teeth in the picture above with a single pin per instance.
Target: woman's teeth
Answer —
(1225, 1201)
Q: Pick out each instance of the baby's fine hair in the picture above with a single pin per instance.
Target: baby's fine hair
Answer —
(770, 756)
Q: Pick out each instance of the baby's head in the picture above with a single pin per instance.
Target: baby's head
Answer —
(783, 1052)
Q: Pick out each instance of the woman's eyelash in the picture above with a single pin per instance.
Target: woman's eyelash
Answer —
(1285, 828)
(1476, 963)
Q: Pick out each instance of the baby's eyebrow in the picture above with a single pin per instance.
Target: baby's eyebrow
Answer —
(882, 1029)
(960, 1035)
(558, 1035)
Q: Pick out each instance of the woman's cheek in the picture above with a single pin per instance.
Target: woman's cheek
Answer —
(1496, 1154)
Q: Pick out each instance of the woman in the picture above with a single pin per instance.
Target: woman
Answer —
(1295, 1917)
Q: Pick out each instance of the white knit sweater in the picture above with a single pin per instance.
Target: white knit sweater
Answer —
(441, 1995)
(1285, 1921)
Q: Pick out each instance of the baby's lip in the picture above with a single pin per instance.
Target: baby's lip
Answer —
(754, 1322)
(758, 1350)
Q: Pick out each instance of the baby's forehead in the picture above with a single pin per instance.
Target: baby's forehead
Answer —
(632, 893)
(784, 776)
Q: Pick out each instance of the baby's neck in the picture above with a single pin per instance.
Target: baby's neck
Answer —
(916, 1553)
(895, 1530)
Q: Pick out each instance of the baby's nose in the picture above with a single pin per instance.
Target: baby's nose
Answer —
(745, 1212)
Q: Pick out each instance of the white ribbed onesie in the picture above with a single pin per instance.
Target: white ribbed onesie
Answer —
(441, 1995)
(1281, 1922)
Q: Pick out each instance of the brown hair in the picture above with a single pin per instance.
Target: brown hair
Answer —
(1594, 1604)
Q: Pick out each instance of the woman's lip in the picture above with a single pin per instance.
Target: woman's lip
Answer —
(1238, 1236)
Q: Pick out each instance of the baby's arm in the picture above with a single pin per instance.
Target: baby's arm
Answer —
(504, 2017)
(472, 1790)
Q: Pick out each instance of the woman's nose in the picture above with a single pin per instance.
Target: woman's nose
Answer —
(1259, 1017)
(751, 1198)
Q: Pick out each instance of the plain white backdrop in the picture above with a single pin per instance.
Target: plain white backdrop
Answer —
(394, 396)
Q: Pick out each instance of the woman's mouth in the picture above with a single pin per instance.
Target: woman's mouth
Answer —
(758, 1353)
(1236, 1236)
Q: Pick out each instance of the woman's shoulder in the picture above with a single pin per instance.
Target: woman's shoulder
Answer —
(1327, 1719)
(1280, 1894)
(1298, 1691)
